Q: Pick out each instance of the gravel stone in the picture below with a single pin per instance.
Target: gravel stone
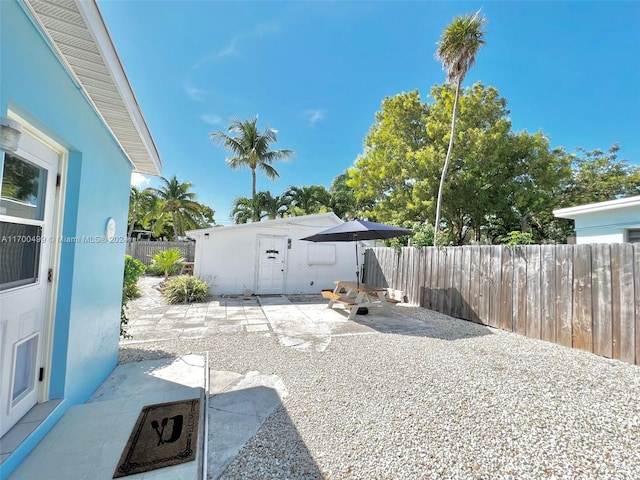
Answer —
(459, 400)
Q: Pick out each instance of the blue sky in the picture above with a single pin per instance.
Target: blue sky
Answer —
(318, 71)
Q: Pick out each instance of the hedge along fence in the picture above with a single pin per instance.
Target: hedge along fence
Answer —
(144, 250)
(581, 296)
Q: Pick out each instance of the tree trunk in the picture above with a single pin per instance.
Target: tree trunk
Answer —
(175, 230)
(524, 222)
(446, 163)
(253, 194)
(134, 214)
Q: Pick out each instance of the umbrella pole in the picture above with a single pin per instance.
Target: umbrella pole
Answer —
(357, 267)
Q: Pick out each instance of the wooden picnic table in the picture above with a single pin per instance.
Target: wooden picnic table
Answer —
(354, 296)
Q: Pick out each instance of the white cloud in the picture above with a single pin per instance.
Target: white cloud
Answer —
(193, 92)
(211, 119)
(139, 180)
(259, 31)
(230, 49)
(314, 116)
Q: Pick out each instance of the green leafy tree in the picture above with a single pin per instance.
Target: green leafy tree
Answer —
(251, 149)
(598, 176)
(343, 200)
(385, 176)
(457, 50)
(595, 176)
(499, 179)
(421, 235)
(206, 218)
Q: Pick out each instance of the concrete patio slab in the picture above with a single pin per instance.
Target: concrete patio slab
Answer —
(236, 412)
(87, 442)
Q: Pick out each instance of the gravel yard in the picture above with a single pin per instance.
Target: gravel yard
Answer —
(458, 400)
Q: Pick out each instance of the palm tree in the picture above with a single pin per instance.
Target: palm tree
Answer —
(250, 148)
(457, 49)
(177, 202)
(255, 209)
(246, 209)
(137, 199)
(272, 207)
(308, 200)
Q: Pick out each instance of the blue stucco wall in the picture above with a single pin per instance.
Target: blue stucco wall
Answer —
(35, 85)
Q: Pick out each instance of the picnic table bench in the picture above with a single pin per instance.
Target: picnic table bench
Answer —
(355, 296)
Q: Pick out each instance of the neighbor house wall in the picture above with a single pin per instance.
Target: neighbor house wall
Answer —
(608, 226)
(37, 87)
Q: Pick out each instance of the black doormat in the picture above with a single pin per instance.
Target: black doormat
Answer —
(165, 434)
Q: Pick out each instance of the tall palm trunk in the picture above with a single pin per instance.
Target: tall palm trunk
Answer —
(134, 215)
(175, 228)
(446, 163)
(253, 192)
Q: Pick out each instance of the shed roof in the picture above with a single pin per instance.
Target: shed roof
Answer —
(304, 220)
(573, 212)
(76, 31)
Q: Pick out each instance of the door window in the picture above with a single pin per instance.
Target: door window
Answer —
(23, 189)
(22, 202)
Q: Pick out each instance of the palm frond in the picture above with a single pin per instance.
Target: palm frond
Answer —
(459, 45)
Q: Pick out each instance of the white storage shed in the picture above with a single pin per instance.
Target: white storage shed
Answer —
(268, 257)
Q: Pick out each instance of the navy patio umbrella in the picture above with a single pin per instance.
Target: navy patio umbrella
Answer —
(355, 230)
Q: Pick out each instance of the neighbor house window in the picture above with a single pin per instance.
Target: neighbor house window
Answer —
(633, 235)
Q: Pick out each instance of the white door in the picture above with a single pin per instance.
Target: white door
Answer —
(271, 256)
(27, 197)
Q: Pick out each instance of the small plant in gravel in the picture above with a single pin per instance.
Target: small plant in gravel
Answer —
(167, 262)
(185, 289)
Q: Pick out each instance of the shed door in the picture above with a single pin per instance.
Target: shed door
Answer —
(271, 264)
(26, 216)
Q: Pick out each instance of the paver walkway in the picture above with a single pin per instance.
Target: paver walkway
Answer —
(298, 321)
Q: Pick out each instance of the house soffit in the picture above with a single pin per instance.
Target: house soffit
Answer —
(580, 210)
(76, 31)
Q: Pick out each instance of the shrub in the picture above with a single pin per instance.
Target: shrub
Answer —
(132, 270)
(185, 289)
(167, 262)
(518, 238)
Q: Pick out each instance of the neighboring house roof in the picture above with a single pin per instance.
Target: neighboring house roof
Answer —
(332, 217)
(573, 212)
(76, 31)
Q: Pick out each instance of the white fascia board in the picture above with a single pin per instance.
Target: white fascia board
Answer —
(98, 29)
(268, 223)
(572, 212)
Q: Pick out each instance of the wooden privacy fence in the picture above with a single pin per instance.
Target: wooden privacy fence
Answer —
(144, 250)
(581, 296)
